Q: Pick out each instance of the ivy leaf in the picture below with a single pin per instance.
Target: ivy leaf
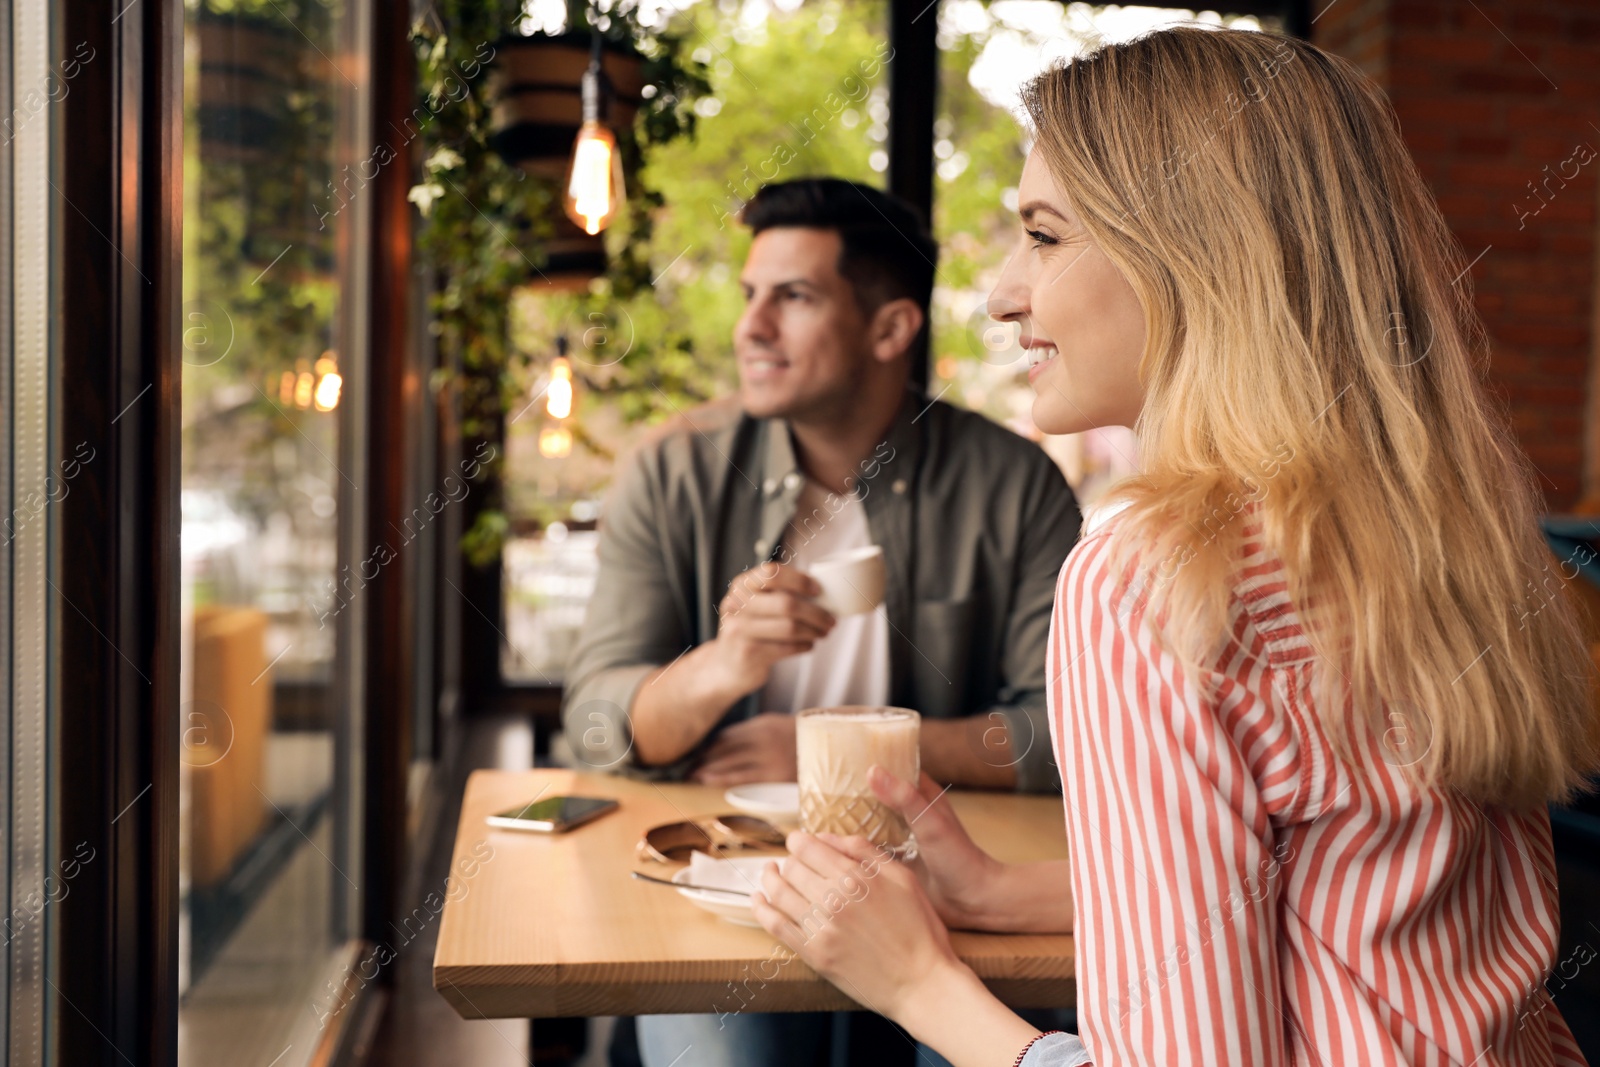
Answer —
(482, 543)
(424, 195)
(444, 158)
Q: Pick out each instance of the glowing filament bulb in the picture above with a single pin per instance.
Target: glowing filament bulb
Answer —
(327, 394)
(558, 398)
(594, 179)
(555, 442)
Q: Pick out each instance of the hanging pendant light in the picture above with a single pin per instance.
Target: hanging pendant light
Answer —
(593, 190)
(325, 397)
(555, 442)
(559, 403)
(555, 439)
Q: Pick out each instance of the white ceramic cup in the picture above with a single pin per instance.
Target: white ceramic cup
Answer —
(852, 582)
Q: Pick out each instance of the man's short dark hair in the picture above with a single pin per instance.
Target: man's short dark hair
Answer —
(886, 252)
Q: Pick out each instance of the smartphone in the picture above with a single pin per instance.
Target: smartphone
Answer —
(552, 815)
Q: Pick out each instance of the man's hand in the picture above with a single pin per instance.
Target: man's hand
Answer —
(756, 750)
(768, 615)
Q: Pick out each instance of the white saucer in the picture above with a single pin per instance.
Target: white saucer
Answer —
(777, 799)
(726, 906)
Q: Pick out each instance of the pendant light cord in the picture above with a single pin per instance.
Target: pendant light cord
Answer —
(594, 80)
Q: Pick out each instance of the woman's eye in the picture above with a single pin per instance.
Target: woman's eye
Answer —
(1039, 238)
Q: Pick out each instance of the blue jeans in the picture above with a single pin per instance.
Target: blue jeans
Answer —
(768, 1039)
(771, 1039)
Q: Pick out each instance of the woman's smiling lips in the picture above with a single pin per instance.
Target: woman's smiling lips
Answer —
(1039, 356)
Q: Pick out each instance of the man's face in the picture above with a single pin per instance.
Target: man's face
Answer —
(802, 340)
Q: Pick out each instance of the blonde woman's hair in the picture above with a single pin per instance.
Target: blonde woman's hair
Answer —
(1312, 365)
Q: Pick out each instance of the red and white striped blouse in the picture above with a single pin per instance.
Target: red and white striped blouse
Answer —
(1246, 897)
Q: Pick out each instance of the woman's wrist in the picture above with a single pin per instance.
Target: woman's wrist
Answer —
(952, 1011)
(1031, 898)
(933, 993)
(983, 905)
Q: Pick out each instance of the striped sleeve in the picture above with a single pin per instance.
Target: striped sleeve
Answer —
(1056, 1050)
(1175, 870)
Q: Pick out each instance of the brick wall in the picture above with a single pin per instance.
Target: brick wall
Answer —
(1494, 96)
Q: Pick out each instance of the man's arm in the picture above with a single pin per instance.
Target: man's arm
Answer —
(1049, 529)
(641, 693)
(636, 621)
(767, 615)
(678, 704)
(973, 752)
(1008, 746)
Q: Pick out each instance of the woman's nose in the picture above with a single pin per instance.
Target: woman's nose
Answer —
(1008, 300)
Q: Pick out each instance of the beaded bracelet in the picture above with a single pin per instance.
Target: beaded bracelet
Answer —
(1024, 1053)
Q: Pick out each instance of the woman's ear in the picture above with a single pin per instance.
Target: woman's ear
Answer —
(894, 326)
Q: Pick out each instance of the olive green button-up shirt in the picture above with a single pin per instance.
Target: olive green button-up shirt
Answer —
(975, 523)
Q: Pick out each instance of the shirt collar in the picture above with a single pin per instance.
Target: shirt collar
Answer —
(898, 451)
(782, 475)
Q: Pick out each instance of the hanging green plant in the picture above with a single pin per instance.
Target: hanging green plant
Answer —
(487, 225)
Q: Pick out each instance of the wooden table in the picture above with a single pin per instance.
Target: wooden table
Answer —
(536, 925)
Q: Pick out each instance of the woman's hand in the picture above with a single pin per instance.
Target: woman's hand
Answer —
(859, 919)
(863, 922)
(956, 873)
(970, 889)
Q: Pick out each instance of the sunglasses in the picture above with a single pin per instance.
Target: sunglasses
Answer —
(676, 841)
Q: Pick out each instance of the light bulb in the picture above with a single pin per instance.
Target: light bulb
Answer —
(594, 178)
(558, 398)
(327, 394)
(555, 442)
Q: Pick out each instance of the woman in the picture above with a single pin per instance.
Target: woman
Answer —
(1307, 714)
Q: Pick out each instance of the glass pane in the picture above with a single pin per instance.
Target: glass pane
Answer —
(263, 98)
(988, 53)
(796, 93)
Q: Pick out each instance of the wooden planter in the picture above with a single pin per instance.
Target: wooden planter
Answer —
(536, 86)
(248, 68)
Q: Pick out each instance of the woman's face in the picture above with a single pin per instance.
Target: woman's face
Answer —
(1081, 323)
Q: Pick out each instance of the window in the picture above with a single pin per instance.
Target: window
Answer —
(797, 90)
(271, 207)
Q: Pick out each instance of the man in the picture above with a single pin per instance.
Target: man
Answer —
(703, 637)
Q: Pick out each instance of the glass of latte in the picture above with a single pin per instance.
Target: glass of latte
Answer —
(835, 748)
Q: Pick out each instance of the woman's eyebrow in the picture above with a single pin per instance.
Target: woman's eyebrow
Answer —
(1035, 207)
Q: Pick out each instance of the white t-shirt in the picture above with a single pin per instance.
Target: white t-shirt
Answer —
(851, 664)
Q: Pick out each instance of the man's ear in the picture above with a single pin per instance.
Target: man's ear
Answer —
(894, 326)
